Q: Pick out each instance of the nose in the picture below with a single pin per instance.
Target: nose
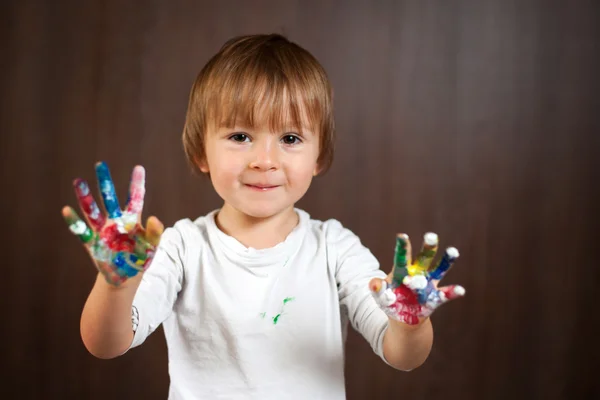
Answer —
(265, 156)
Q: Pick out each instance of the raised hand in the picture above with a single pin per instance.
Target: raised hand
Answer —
(411, 291)
(117, 242)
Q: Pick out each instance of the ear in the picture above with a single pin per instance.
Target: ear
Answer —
(317, 169)
(202, 164)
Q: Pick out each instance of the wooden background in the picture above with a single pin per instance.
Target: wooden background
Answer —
(477, 119)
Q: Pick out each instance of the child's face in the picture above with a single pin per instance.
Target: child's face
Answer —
(259, 172)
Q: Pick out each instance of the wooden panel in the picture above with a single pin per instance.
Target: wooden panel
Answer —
(475, 119)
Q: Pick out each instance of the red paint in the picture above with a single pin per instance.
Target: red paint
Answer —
(137, 190)
(150, 255)
(449, 292)
(407, 305)
(88, 205)
(405, 295)
(117, 241)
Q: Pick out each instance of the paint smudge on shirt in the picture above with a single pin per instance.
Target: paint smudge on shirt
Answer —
(285, 301)
(276, 318)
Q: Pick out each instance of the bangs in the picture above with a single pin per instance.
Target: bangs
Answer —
(265, 91)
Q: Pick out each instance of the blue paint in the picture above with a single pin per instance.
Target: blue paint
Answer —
(423, 294)
(107, 189)
(123, 268)
(444, 265)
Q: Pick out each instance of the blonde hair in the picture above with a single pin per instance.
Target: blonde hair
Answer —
(260, 72)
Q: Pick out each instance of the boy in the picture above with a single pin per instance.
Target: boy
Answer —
(254, 297)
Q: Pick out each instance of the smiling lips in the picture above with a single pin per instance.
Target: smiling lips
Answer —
(261, 187)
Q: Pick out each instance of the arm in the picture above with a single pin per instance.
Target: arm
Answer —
(409, 295)
(356, 266)
(406, 347)
(121, 249)
(106, 321)
(106, 328)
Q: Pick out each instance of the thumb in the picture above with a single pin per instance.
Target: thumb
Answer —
(377, 285)
(154, 230)
(381, 294)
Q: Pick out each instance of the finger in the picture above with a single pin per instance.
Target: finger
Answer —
(146, 240)
(88, 205)
(135, 200)
(154, 230)
(452, 292)
(107, 189)
(445, 264)
(137, 190)
(402, 258)
(441, 296)
(426, 255)
(377, 285)
(77, 225)
(379, 290)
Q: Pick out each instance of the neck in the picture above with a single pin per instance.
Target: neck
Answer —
(256, 232)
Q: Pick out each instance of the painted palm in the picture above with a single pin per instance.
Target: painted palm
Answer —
(411, 291)
(117, 242)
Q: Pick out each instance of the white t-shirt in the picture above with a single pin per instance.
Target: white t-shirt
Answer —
(242, 323)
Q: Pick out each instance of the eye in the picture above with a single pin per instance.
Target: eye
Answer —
(239, 137)
(291, 139)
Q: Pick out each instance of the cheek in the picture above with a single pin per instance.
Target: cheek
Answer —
(225, 170)
(302, 174)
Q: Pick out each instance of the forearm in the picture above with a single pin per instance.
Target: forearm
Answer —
(406, 347)
(106, 328)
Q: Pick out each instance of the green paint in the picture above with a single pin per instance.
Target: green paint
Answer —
(276, 318)
(141, 247)
(78, 227)
(400, 270)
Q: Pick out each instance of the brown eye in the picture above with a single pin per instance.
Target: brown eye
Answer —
(291, 139)
(239, 137)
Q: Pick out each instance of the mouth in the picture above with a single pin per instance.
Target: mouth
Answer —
(262, 188)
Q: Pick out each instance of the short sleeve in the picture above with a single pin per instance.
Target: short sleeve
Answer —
(162, 281)
(356, 266)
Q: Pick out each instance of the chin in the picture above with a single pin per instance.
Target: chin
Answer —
(262, 211)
